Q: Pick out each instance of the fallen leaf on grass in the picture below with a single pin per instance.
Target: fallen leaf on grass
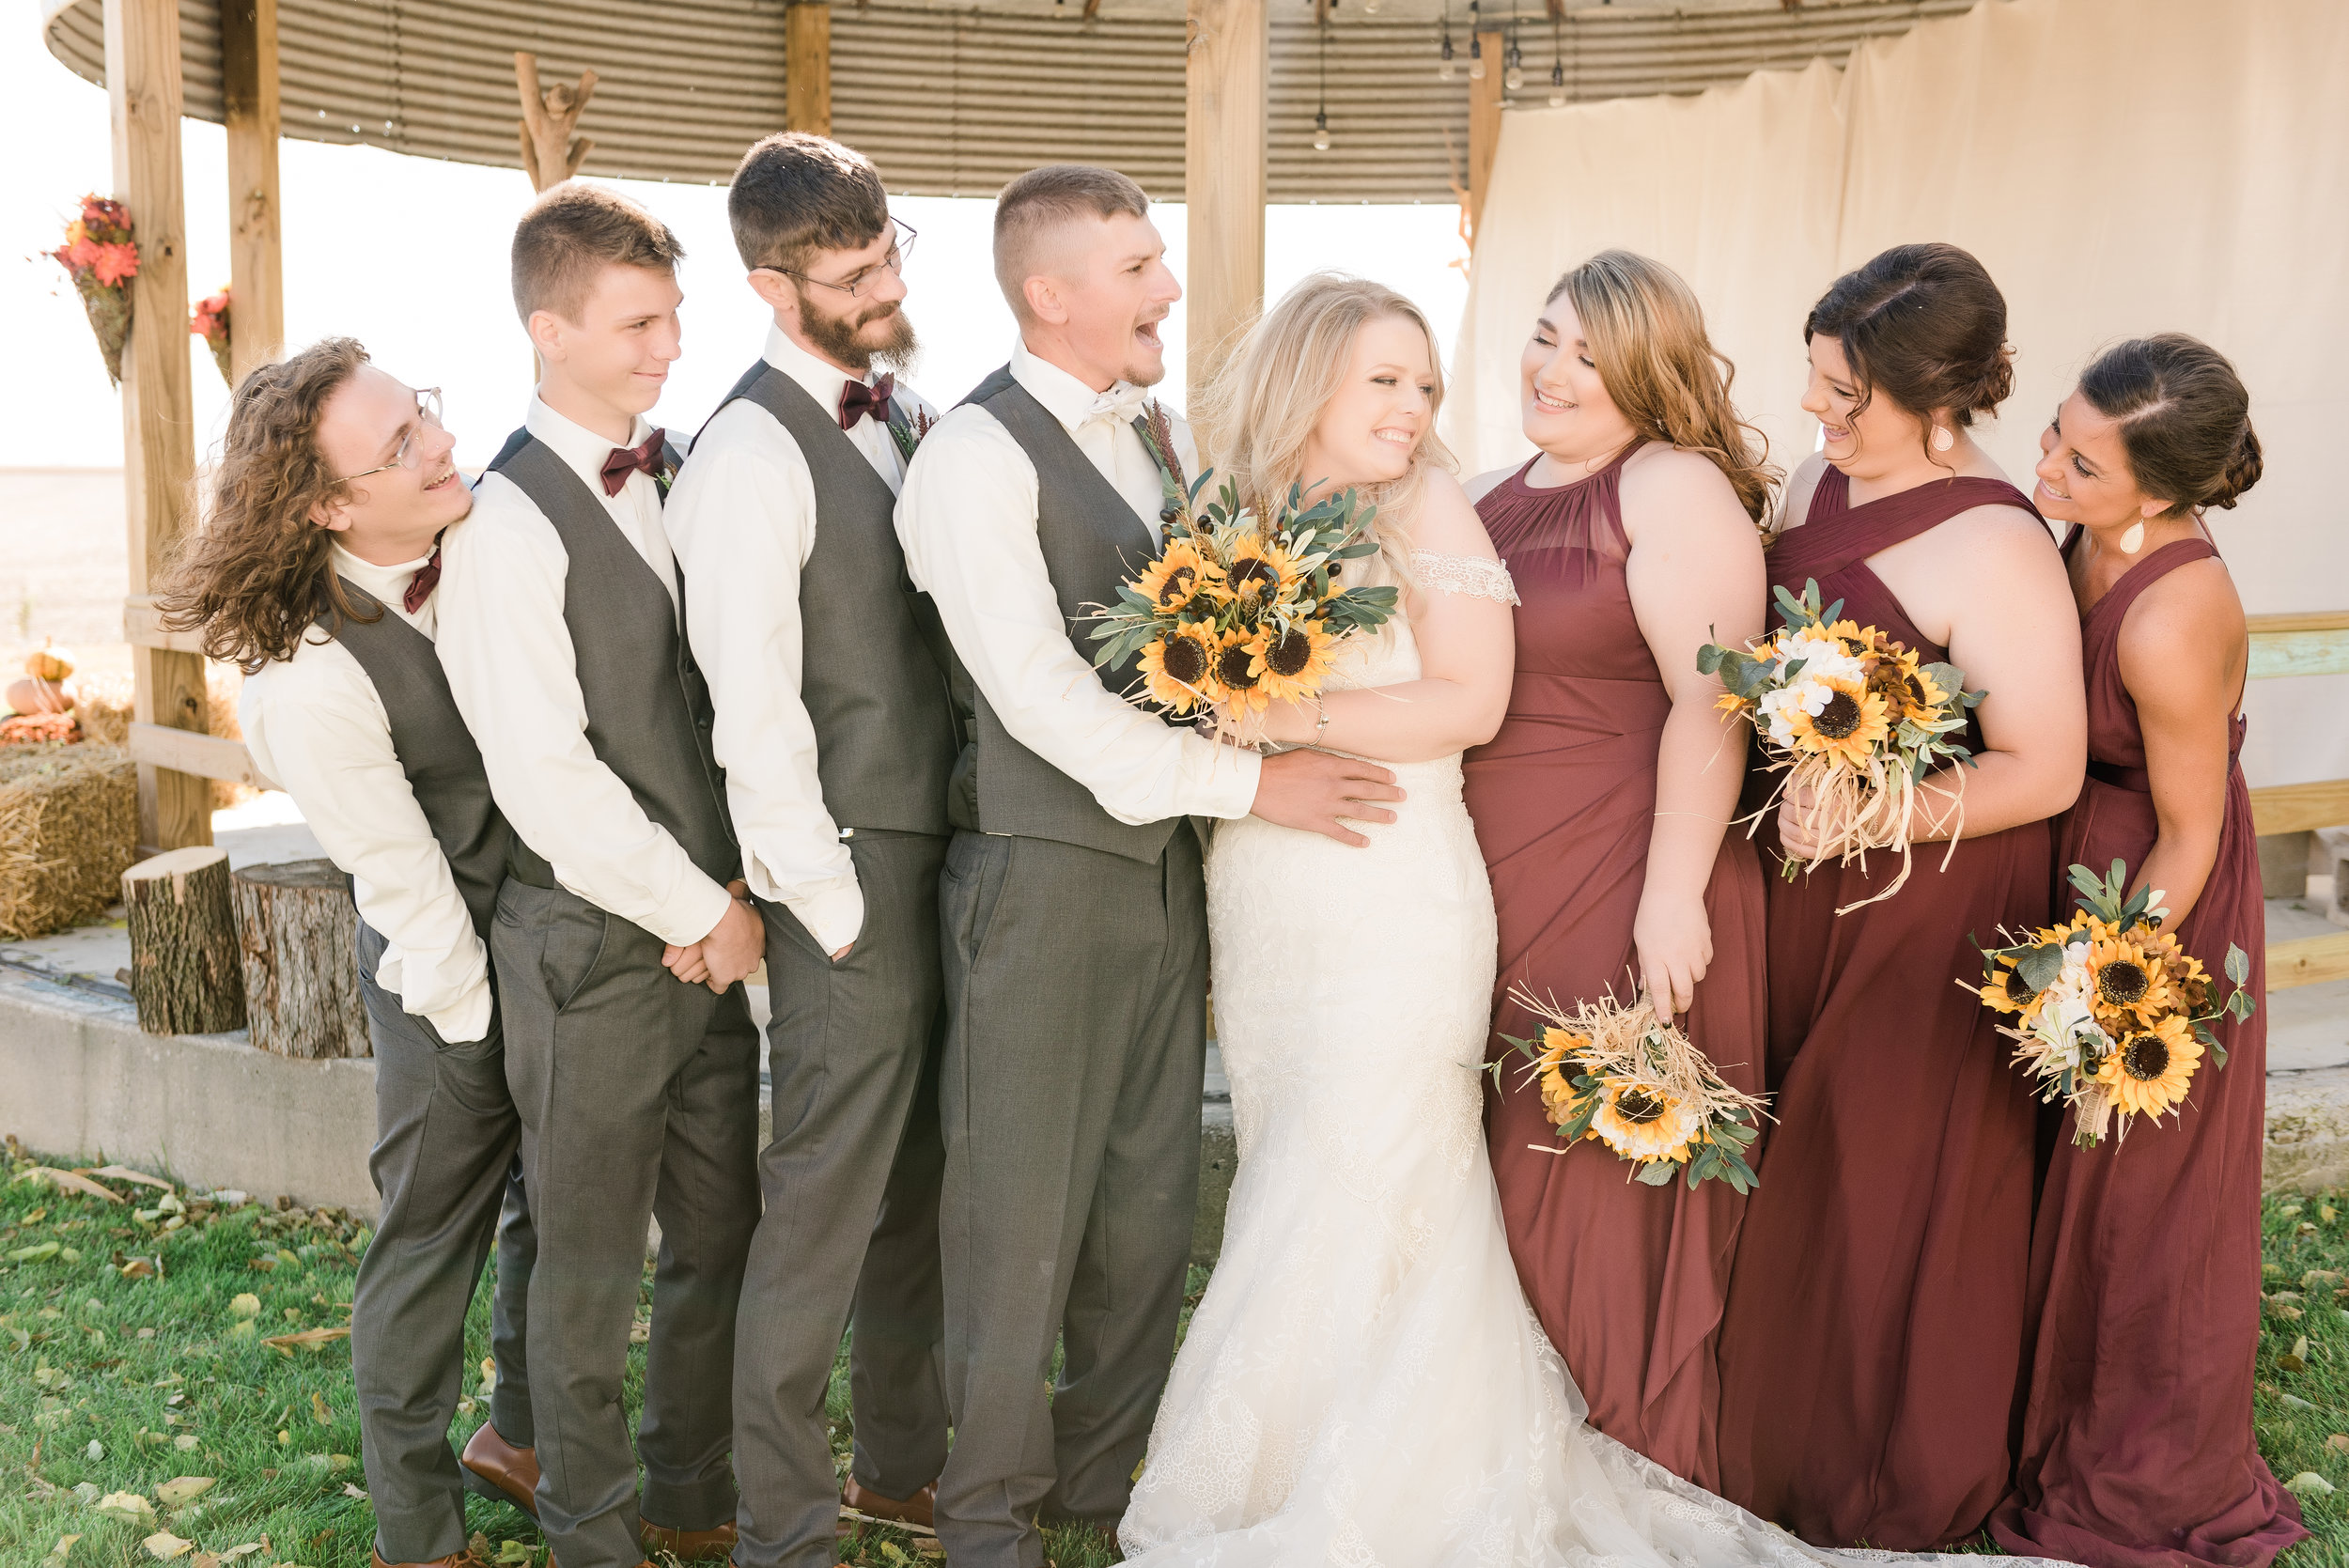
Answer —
(2308, 1484)
(129, 1507)
(58, 1553)
(35, 1253)
(2297, 1358)
(245, 1304)
(123, 1174)
(73, 1181)
(350, 1491)
(183, 1442)
(2295, 1402)
(2338, 1442)
(513, 1551)
(163, 1545)
(325, 1417)
(183, 1489)
(138, 1268)
(309, 1339)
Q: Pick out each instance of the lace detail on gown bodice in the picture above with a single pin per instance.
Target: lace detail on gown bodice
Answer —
(1472, 576)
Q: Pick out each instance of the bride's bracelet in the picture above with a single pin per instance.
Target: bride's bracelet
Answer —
(1321, 721)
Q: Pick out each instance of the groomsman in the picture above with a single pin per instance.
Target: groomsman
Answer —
(834, 729)
(618, 942)
(334, 488)
(1072, 903)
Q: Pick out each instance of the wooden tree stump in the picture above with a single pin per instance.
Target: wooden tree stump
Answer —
(298, 929)
(184, 971)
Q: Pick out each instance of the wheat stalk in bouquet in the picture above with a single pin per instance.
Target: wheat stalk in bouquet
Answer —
(2112, 1016)
(1853, 722)
(1625, 1077)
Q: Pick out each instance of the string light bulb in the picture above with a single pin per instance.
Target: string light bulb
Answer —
(1445, 70)
(1321, 131)
(1476, 41)
(1557, 85)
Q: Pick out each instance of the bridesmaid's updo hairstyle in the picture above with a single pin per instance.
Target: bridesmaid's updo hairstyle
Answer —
(1646, 332)
(2184, 418)
(1925, 326)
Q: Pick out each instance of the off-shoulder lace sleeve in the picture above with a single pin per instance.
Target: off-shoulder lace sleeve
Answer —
(1471, 575)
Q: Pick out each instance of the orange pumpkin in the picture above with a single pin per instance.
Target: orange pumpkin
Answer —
(49, 664)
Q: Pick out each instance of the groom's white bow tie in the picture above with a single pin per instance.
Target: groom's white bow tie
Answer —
(1120, 404)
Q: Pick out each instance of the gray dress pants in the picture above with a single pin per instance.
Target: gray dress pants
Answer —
(1068, 1092)
(638, 1097)
(444, 1160)
(851, 1188)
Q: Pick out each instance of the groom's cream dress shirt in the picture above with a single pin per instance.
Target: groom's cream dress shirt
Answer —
(967, 521)
(742, 517)
(316, 726)
(515, 676)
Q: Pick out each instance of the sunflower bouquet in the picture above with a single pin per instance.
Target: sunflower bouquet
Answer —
(1239, 608)
(1625, 1077)
(1851, 720)
(2112, 1016)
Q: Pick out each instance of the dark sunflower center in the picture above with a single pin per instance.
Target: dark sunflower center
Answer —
(1184, 661)
(1638, 1107)
(1290, 654)
(2122, 983)
(1853, 646)
(1916, 692)
(2145, 1058)
(1231, 668)
(1178, 585)
(2018, 988)
(1253, 573)
(1839, 718)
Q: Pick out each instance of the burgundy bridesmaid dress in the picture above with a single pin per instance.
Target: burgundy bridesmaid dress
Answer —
(2137, 1447)
(1628, 1280)
(1872, 1348)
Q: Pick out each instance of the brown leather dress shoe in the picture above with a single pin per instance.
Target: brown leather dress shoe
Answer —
(715, 1544)
(455, 1560)
(916, 1513)
(513, 1472)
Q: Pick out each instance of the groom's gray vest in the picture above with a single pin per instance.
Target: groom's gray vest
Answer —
(649, 714)
(885, 735)
(1092, 542)
(435, 750)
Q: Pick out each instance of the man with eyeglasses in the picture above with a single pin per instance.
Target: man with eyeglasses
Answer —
(834, 725)
(317, 572)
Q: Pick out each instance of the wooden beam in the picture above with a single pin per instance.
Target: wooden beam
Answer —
(807, 67)
(205, 756)
(2308, 961)
(2297, 808)
(142, 627)
(256, 274)
(1227, 79)
(550, 154)
(158, 421)
(2300, 620)
(2314, 645)
(1484, 124)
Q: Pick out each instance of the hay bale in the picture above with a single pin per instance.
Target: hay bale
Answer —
(69, 828)
(102, 705)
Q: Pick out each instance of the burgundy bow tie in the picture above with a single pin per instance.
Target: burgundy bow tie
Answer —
(859, 401)
(428, 576)
(625, 461)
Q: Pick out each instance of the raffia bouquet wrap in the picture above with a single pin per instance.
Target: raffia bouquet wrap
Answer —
(1852, 723)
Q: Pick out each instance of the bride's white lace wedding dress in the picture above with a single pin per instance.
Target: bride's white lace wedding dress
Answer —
(1364, 1383)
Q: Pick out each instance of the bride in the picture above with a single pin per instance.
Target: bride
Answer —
(1364, 1383)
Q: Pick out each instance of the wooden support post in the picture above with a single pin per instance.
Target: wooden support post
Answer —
(1228, 76)
(550, 154)
(298, 930)
(807, 67)
(248, 92)
(185, 975)
(1484, 124)
(158, 421)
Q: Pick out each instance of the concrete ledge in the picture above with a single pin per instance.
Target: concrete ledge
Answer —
(2308, 1130)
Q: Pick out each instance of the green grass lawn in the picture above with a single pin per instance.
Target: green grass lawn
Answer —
(175, 1386)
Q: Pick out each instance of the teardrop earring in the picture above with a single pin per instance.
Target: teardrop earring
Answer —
(2134, 540)
(1942, 439)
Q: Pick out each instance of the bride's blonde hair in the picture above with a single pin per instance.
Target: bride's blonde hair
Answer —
(1260, 407)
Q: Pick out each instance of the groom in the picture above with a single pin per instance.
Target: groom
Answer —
(1072, 906)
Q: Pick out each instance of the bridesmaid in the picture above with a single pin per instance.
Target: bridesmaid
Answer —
(2138, 1447)
(1869, 1355)
(1601, 807)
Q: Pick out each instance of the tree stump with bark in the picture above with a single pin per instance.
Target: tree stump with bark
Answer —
(299, 931)
(185, 973)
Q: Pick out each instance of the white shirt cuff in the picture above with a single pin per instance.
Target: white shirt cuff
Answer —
(835, 917)
(692, 914)
(1229, 791)
(468, 1020)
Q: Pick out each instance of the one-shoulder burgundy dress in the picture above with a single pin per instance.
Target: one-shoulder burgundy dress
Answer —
(2138, 1449)
(1871, 1352)
(1628, 1280)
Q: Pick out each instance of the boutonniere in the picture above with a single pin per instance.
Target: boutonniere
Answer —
(908, 431)
(662, 478)
(1157, 434)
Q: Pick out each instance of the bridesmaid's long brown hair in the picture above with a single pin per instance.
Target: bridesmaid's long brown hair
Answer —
(1648, 338)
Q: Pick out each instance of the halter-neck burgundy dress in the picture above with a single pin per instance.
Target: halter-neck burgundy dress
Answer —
(1628, 1280)
(2137, 1447)
(1871, 1346)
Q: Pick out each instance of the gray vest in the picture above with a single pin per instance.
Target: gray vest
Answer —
(649, 712)
(1092, 542)
(885, 735)
(436, 750)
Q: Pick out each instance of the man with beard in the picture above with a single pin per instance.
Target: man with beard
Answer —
(833, 726)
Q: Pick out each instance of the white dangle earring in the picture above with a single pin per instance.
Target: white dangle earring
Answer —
(1942, 439)
(2134, 540)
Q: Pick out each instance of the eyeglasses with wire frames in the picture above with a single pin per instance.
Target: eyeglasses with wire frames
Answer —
(853, 286)
(428, 413)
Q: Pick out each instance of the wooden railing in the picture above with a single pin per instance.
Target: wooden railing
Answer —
(2304, 644)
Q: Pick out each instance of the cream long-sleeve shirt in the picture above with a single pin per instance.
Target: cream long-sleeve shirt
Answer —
(742, 517)
(316, 725)
(515, 676)
(967, 520)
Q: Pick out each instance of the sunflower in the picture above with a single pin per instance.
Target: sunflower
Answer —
(1178, 668)
(2149, 1072)
(1179, 577)
(1229, 669)
(2126, 981)
(1908, 691)
(1644, 1122)
(1259, 568)
(1847, 727)
(1290, 660)
(2006, 990)
(1558, 1065)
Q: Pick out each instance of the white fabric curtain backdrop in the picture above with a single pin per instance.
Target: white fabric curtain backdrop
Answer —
(2120, 167)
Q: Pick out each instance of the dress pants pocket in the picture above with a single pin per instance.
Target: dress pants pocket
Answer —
(573, 936)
